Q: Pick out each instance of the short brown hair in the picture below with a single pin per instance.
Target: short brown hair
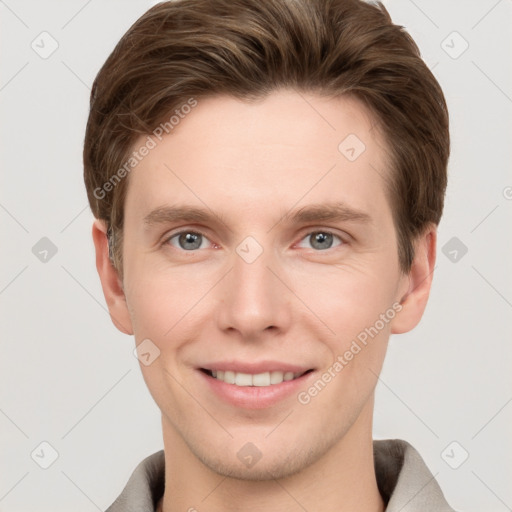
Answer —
(185, 49)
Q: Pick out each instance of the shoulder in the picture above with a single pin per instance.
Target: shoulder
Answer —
(404, 480)
(144, 487)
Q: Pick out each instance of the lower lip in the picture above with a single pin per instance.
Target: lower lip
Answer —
(255, 397)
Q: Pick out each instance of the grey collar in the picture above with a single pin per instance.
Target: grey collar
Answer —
(404, 481)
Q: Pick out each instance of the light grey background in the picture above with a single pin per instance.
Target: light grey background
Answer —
(68, 378)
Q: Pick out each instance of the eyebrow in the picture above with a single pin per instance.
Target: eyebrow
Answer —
(327, 212)
(168, 214)
(334, 212)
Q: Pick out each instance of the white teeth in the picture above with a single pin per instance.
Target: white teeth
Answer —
(229, 377)
(276, 377)
(243, 379)
(260, 379)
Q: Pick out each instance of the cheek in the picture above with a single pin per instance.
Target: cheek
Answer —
(357, 304)
(164, 306)
(350, 299)
(162, 302)
(358, 308)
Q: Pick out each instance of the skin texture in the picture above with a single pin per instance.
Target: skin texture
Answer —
(250, 164)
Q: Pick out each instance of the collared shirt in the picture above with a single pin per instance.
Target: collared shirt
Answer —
(405, 483)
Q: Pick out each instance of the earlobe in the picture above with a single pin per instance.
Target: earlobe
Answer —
(420, 276)
(110, 282)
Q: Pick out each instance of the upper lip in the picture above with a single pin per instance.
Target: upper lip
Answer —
(255, 367)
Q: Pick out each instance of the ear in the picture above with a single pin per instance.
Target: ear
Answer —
(419, 280)
(110, 282)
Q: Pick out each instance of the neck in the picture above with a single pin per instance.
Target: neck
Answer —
(342, 480)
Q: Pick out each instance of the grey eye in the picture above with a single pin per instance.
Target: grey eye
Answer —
(187, 240)
(321, 240)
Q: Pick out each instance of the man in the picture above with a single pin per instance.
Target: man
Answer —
(267, 179)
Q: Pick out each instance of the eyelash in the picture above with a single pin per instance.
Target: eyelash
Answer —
(308, 234)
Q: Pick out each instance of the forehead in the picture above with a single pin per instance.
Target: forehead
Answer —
(287, 149)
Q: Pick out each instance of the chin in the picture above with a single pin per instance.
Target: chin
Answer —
(260, 472)
(273, 463)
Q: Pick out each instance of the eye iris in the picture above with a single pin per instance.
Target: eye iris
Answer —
(190, 238)
(321, 240)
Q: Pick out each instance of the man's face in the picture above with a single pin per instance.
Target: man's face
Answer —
(259, 285)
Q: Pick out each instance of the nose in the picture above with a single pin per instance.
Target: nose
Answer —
(253, 301)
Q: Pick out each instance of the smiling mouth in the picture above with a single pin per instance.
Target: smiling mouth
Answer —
(260, 379)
